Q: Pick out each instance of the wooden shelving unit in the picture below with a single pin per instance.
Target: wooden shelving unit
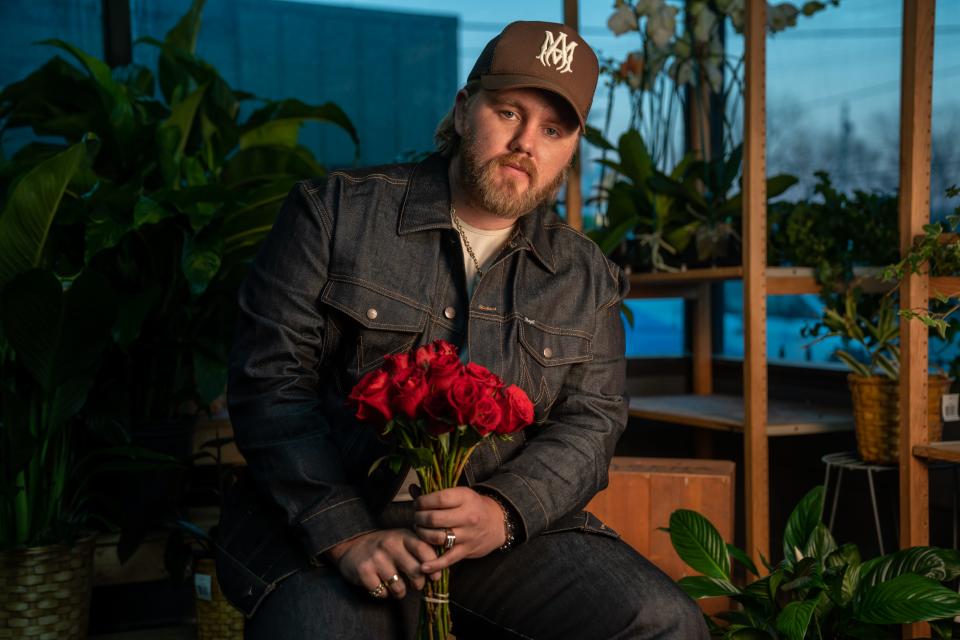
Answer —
(753, 415)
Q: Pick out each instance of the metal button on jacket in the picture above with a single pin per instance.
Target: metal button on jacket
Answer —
(548, 353)
(372, 313)
(450, 313)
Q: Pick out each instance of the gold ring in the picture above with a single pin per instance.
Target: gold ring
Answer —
(379, 591)
(451, 540)
(392, 579)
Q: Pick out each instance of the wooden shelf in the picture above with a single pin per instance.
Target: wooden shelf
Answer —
(725, 413)
(781, 281)
(943, 451)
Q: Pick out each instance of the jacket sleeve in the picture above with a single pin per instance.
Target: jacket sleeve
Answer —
(276, 380)
(566, 461)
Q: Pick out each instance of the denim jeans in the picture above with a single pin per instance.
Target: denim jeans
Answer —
(569, 585)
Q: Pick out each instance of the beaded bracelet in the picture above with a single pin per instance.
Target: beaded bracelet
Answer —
(509, 528)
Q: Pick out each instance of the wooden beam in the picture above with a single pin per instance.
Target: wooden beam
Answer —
(571, 18)
(916, 89)
(756, 473)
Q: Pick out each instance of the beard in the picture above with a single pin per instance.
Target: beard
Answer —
(504, 198)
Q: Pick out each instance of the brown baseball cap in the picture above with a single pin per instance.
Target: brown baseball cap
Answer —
(542, 55)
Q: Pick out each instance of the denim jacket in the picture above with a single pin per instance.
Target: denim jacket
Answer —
(366, 263)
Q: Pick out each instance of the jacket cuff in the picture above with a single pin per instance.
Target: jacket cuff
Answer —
(515, 491)
(336, 523)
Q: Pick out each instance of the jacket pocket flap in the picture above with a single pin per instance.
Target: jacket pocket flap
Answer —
(373, 308)
(553, 349)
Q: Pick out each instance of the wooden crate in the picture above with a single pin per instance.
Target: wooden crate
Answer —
(642, 494)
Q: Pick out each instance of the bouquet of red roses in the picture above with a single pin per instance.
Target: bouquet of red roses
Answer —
(435, 410)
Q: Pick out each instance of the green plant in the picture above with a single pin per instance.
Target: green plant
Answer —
(834, 232)
(53, 333)
(170, 211)
(124, 233)
(939, 254)
(632, 206)
(871, 329)
(819, 589)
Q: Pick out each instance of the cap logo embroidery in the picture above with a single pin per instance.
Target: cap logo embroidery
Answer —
(555, 52)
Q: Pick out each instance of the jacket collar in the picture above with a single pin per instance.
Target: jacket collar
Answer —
(426, 206)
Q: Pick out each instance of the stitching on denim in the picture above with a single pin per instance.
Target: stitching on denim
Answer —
(326, 220)
(495, 624)
(370, 176)
(325, 509)
(363, 366)
(373, 286)
(532, 492)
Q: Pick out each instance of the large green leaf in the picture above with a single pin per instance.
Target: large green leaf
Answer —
(906, 598)
(820, 544)
(117, 103)
(55, 334)
(937, 564)
(278, 123)
(634, 158)
(699, 544)
(802, 523)
(706, 587)
(795, 618)
(30, 211)
(184, 34)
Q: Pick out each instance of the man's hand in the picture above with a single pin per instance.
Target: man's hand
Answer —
(376, 557)
(475, 520)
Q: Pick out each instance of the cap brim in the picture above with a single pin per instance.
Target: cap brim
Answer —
(497, 82)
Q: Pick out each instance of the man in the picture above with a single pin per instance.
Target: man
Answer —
(461, 247)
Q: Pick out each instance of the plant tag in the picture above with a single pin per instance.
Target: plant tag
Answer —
(201, 583)
(949, 407)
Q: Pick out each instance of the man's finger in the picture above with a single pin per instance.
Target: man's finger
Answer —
(445, 561)
(438, 519)
(436, 537)
(443, 499)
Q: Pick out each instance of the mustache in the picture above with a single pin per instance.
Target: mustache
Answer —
(520, 162)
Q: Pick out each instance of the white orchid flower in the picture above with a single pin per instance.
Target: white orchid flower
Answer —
(623, 20)
(662, 25)
(648, 7)
(703, 21)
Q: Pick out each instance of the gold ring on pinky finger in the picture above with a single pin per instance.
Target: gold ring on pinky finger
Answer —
(380, 591)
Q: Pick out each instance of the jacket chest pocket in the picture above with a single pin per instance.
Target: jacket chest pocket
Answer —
(546, 355)
(377, 323)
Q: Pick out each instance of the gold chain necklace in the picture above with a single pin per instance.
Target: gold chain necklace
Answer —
(466, 243)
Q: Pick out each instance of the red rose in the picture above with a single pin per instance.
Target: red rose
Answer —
(444, 370)
(409, 390)
(483, 376)
(439, 414)
(444, 348)
(486, 415)
(463, 395)
(425, 355)
(371, 396)
(397, 362)
(517, 410)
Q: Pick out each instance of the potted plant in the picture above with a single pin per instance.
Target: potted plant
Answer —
(123, 237)
(869, 326)
(54, 330)
(820, 589)
(687, 218)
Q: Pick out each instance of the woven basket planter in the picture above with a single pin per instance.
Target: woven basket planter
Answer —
(876, 413)
(45, 591)
(216, 617)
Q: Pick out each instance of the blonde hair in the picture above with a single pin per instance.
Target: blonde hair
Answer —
(446, 137)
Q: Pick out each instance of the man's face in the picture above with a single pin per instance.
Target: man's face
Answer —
(516, 146)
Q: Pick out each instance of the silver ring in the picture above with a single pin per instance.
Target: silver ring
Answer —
(451, 540)
(379, 591)
(392, 579)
